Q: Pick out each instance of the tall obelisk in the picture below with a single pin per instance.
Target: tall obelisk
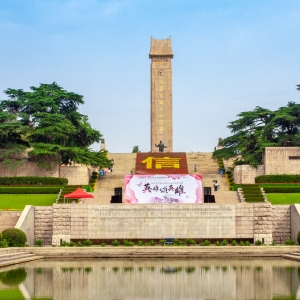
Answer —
(161, 94)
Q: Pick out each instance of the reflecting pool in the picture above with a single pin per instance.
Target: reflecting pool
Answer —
(152, 279)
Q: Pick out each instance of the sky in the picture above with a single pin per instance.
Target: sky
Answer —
(229, 56)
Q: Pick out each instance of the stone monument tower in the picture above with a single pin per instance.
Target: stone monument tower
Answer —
(161, 94)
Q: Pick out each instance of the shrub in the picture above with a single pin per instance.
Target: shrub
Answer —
(152, 243)
(234, 243)
(87, 243)
(205, 243)
(38, 243)
(33, 180)
(190, 242)
(289, 242)
(242, 243)
(103, 245)
(79, 244)
(128, 243)
(64, 244)
(15, 237)
(178, 242)
(140, 243)
(281, 178)
(273, 243)
(162, 242)
(72, 244)
(115, 243)
(224, 242)
(258, 243)
(217, 243)
(3, 244)
(282, 189)
(247, 243)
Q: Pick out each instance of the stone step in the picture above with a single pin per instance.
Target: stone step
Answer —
(16, 258)
(293, 256)
(4, 257)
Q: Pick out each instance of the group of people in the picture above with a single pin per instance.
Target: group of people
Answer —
(103, 171)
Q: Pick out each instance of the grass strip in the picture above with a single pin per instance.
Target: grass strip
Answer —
(19, 201)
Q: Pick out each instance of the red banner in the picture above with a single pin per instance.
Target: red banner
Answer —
(161, 163)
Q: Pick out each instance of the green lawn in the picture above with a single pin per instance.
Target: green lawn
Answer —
(18, 202)
(282, 198)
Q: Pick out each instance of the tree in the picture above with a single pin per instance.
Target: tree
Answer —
(135, 149)
(47, 120)
(255, 130)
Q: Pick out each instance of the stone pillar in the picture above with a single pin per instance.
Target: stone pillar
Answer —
(161, 94)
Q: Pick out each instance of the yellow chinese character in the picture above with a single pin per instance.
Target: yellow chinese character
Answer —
(161, 96)
(161, 115)
(161, 101)
(148, 162)
(161, 81)
(161, 128)
(161, 88)
(161, 122)
(167, 162)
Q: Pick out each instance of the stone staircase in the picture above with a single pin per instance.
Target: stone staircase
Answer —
(124, 162)
(7, 259)
(9, 219)
(292, 255)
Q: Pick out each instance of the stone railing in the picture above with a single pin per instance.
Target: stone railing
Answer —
(241, 194)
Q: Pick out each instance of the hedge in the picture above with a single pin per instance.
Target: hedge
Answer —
(29, 190)
(15, 237)
(283, 189)
(33, 180)
(283, 178)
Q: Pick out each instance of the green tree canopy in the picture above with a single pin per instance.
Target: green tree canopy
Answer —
(135, 149)
(255, 130)
(46, 120)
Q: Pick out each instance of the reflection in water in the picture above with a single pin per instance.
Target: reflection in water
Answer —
(152, 279)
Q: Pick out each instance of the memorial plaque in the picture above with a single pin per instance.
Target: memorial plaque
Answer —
(156, 221)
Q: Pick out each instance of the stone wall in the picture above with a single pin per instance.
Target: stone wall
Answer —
(282, 160)
(197, 221)
(76, 175)
(295, 221)
(9, 219)
(244, 221)
(62, 223)
(263, 216)
(245, 174)
(26, 223)
(281, 223)
(29, 168)
(43, 224)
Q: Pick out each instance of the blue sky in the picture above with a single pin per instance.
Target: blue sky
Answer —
(229, 56)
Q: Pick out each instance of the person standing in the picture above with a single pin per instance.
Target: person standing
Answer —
(195, 168)
(215, 186)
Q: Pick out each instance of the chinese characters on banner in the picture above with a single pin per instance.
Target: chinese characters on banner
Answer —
(163, 188)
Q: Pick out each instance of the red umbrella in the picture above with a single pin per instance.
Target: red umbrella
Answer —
(78, 194)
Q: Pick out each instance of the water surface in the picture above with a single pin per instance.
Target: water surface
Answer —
(152, 279)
